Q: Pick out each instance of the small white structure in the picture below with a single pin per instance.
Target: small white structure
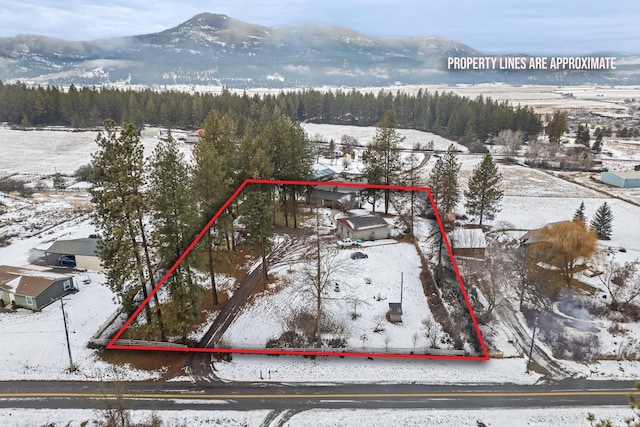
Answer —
(193, 137)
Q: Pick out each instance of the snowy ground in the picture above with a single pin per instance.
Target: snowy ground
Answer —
(541, 417)
(33, 344)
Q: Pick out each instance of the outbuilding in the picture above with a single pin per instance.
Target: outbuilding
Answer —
(395, 312)
(32, 289)
(629, 179)
(83, 250)
(363, 227)
(468, 242)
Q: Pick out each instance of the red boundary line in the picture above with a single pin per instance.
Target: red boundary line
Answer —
(112, 346)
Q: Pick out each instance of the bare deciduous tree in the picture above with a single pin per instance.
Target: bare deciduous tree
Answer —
(324, 263)
(511, 140)
(622, 281)
(563, 245)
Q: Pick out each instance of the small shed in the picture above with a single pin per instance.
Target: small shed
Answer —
(194, 137)
(32, 289)
(395, 312)
(468, 242)
(629, 179)
(363, 227)
(84, 251)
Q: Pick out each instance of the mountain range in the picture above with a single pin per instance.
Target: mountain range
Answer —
(211, 49)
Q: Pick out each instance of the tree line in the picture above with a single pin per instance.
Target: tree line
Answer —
(453, 116)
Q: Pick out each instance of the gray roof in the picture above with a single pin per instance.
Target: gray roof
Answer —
(86, 246)
(625, 174)
(395, 308)
(364, 222)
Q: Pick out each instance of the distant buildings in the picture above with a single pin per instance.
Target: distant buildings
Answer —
(629, 179)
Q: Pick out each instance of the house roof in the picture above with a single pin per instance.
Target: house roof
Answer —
(625, 174)
(85, 247)
(27, 282)
(317, 174)
(364, 222)
(468, 238)
(533, 236)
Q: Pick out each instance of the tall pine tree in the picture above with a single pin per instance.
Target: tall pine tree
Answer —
(445, 188)
(213, 177)
(484, 193)
(174, 213)
(382, 157)
(117, 180)
(602, 222)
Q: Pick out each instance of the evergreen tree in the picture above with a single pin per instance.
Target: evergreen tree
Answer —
(382, 161)
(174, 211)
(602, 222)
(257, 206)
(557, 126)
(444, 183)
(212, 177)
(597, 144)
(484, 192)
(579, 215)
(117, 178)
(582, 135)
(445, 188)
(58, 182)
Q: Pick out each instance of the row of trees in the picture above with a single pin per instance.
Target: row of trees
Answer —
(148, 211)
(601, 223)
(451, 115)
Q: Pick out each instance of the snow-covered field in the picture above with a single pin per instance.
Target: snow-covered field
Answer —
(540, 417)
(532, 199)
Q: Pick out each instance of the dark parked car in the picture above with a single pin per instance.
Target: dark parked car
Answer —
(67, 261)
(359, 255)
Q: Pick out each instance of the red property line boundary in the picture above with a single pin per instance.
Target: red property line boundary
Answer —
(113, 346)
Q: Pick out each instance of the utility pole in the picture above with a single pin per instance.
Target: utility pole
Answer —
(533, 337)
(66, 333)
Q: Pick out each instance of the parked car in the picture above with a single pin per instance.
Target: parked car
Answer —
(359, 255)
(67, 261)
(345, 243)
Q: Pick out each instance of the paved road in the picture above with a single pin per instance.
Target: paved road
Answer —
(273, 396)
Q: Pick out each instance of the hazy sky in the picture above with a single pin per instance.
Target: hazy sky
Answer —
(491, 26)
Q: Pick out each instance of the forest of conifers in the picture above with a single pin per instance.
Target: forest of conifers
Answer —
(453, 116)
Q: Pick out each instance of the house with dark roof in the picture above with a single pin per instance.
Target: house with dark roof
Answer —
(84, 251)
(363, 227)
(334, 199)
(32, 289)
